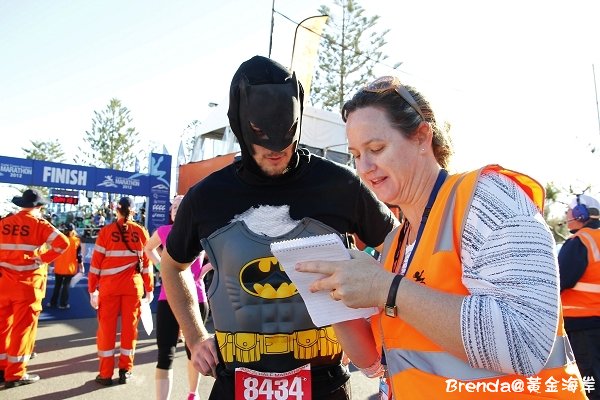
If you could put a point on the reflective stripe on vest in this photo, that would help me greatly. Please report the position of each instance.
(111, 271)
(592, 245)
(587, 287)
(448, 366)
(20, 268)
(11, 246)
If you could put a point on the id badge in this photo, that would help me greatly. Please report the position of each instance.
(255, 385)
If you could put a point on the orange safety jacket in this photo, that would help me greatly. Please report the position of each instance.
(419, 369)
(68, 262)
(583, 299)
(113, 268)
(21, 236)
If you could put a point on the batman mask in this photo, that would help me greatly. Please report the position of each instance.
(265, 107)
(269, 114)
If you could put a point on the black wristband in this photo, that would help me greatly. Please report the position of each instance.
(390, 306)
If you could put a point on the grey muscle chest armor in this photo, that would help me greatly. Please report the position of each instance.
(257, 312)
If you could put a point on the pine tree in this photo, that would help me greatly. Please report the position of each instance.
(112, 139)
(50, 150)
(349, 51)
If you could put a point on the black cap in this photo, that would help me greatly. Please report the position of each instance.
(70, 227)
(31, 198)
(126, 202)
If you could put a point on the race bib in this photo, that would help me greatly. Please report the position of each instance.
(254, 385)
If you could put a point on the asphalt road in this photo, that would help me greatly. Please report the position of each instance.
(68, 364)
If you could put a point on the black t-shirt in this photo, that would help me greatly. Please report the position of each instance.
(317, 188)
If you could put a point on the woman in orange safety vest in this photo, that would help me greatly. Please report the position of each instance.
(468, 290)
(65, 267)
(118, 277)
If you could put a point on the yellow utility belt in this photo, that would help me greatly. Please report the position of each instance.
(248, 347)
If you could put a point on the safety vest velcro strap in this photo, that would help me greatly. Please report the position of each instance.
(19, 359)
(20, 268)
(14, 246)
(126, 352)
(106, 353)
(587, 287)
(449, 366)
(116, 270)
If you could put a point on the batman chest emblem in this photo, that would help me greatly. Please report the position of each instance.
(265, 278)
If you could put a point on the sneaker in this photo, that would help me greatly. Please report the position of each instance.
(124, 376)
(104, 381)
(33, 355)
(50, 305)
(65, 307)
(25, 380)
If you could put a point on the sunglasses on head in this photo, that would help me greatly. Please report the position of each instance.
(386, 83)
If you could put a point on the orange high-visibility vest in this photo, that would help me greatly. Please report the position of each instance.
(583, 299)
(113, 265)
(66, 263)
(419, 369)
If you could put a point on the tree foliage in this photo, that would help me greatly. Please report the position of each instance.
(112, 139)
(349, 50)
(50, 150)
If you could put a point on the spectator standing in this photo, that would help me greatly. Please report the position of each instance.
(117, 279)
(579, 262)
(167, 328)
(65, 267)
(23, 275)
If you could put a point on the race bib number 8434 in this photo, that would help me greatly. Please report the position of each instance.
(255, 385)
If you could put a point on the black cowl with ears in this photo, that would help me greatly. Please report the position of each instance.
(267, 94)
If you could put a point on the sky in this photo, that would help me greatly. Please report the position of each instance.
(514, 78)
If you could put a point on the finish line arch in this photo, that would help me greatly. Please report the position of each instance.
(155, 186)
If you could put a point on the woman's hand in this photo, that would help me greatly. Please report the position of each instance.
(359, 282)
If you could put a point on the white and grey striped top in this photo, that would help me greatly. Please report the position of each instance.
(509, 320)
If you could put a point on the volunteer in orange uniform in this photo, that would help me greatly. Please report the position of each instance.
(468, 286)
(579, 263)
(117, 279)
(23, 283)
(65, 267)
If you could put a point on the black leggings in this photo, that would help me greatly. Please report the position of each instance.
(167, 333)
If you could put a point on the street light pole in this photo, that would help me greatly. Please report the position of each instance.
(596, 92)
(272, 24)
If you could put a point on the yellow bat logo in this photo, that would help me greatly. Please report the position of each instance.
(264, 277)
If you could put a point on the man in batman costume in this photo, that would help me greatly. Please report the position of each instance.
(274, 191)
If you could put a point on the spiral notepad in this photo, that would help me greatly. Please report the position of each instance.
(322, 308)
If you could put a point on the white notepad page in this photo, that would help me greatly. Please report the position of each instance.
(322, 308)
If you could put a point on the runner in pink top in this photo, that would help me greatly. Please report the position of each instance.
(167, 328)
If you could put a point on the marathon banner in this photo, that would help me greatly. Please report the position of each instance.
(156, 185)
(159, 203)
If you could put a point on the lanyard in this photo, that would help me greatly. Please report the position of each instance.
(436, 188)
